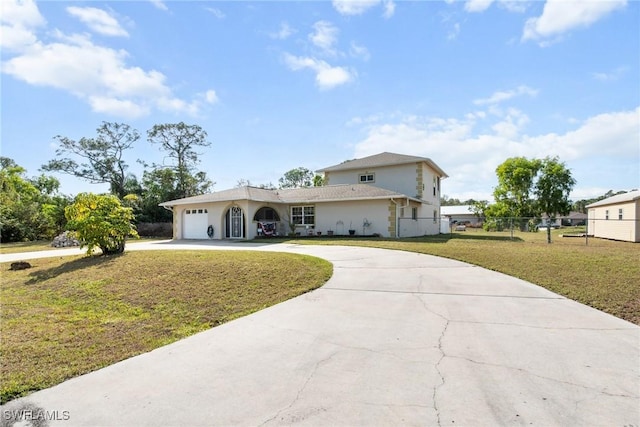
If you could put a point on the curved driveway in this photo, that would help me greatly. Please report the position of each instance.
(393, 338)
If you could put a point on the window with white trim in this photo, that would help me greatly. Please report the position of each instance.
(366, 177)
(606, 214)
(303, 215)
(435, 216)
(414, 213)
(620, 213)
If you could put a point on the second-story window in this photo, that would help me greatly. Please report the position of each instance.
(366, 177)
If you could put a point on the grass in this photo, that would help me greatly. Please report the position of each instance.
(44, 245)
(16, 247)
(68, 316)
(603, 274)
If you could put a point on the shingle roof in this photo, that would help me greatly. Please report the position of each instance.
(619, 198)
(328, 193)
(240, 193)
(382, 159)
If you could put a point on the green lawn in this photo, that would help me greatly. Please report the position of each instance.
(68, 316)
(12, 248)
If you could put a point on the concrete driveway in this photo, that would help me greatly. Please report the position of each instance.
(394, 338)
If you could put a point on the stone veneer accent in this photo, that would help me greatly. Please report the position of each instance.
(392, 219)
(419, 180)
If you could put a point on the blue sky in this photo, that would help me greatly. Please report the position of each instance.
(280, 85)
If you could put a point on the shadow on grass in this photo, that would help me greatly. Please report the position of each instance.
(470, 236)
(71, 266)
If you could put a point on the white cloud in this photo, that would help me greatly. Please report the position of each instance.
(98, 20)
(470, 155)
(19, 20)
(477, 5)
(501, 96)
(611, 75)
(327, 76)
(211, 96)
(159, 4)
(325, 36)
(358, 7)
(389, 8)
(216, 12)
(125, 108)
(559, 17)
(454, 32)
(98, 75)
(358, 51)
(283, 33)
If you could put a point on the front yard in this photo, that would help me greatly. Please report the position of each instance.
(68, 316)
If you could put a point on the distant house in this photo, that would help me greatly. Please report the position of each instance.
(616, 217)
(387, 194)
(459, 214)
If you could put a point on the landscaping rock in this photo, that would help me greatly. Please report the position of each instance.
(64, 240)
(19, 265)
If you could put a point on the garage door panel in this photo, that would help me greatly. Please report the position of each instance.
(195, 223)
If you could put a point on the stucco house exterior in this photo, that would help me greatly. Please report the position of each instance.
(387, 194)
(617, 217)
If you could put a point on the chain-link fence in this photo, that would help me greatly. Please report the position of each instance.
(589, 231)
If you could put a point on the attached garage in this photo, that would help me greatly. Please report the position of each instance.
(195, 223)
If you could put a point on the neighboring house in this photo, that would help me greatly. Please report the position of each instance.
(574, 218)
(460, 214)
(391, 195)
(616, 217)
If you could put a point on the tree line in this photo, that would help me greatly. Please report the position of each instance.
(32, 208)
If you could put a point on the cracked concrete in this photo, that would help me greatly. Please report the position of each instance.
(394, 338)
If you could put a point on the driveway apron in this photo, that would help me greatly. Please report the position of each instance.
(393, 338)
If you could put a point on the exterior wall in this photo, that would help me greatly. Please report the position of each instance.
(627, 229)
(400, 178)
(426, 222)
(216, 218)
(429, 180)
(340, 216)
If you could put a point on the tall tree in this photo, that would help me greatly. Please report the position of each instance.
(552, 190)
(180, 141)
(514, 192)
(100, 159)
(296, 178)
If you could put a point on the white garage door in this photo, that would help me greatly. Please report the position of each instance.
(195, 224)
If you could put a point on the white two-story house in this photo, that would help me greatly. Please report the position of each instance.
(387, 194)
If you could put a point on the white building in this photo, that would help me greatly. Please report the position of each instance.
(388, 194)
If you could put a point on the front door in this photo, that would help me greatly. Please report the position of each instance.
(235, 223)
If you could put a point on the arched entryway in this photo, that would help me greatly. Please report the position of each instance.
(234, 223)
(266, 214)
(266, 220)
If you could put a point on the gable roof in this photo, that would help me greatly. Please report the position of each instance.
(327, 193)
(619, 198)
(383, 159)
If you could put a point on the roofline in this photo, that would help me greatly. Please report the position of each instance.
(426, 160)
(605, 202)
(288, 202)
